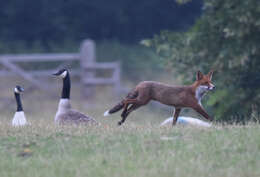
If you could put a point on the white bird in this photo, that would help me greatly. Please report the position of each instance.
(19, 118)
(187, 121)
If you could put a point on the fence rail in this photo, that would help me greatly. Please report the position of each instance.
(40, 57)
(87, 70)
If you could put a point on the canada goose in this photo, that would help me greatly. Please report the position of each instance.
(65, 114)
(19, 118)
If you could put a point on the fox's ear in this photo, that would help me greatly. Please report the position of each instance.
(199, 76)
(210, 74)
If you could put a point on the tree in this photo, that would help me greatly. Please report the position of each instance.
(226, 39)
(53, 21)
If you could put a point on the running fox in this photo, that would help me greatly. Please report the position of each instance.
(176, 96)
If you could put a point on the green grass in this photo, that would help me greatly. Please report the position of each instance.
(138, 148)
(135, 149)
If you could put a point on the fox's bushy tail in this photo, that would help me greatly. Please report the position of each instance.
(120, 105)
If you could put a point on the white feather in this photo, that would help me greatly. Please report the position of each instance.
(64, 106)
(19, 119)
(64, 74)
(16, 90)
(187, 121)
(106, 113)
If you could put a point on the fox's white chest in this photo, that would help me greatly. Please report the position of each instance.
(19, 119)
(200, 92)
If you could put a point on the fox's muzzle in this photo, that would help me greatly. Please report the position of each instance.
(211, 87)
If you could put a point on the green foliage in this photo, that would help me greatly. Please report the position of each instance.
(138, 62)
(182, 1)
(226, 39)
(58, 20)
(60, 25)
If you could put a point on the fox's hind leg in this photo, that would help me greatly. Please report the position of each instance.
(126, 103)
(132, 108)
(123, 114)
(141, 99)
(126, 112)
(121, 104)
(136, 103)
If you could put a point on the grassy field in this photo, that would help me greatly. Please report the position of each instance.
(138, 148)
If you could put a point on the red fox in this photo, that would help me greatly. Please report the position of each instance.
(176, 96)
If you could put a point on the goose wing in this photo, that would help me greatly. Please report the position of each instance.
(73, 116)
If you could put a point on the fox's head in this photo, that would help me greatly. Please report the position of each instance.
(203, 83)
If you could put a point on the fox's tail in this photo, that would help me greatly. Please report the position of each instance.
(120, 105)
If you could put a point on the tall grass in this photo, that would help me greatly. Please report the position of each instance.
(135, 149)
(138, 148)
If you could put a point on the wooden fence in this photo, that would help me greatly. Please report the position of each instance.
(87, 70)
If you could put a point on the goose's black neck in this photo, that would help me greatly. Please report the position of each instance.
(18, 102)
(66, 87)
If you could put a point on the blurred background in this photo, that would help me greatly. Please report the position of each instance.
(111, 46)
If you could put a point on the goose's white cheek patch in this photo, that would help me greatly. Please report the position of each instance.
(64, 74)
(16, 90)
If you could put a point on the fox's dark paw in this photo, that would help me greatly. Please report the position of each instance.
(119, 123)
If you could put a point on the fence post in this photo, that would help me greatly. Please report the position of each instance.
(88, 58)
(117, 73)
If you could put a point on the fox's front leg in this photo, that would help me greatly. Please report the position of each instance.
(201, 110)
(176, 115)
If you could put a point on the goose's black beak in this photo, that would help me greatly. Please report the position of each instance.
(56, 74)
